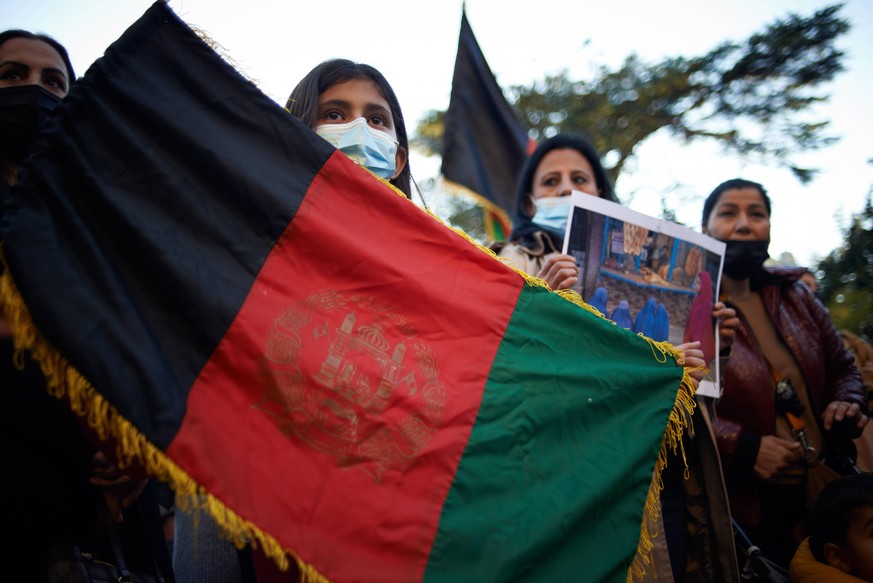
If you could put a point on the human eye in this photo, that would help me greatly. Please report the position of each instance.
(378, 120)
(580, 179)
(12, 73)
(332, 115)
(56, 82)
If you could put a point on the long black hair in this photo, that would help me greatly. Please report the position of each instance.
(523, 227)
(303, 102)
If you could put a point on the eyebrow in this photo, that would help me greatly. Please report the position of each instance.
(368, 108)
(334, 102)
(736, 205)
(376, 108)
(573, 173)
(16, 63)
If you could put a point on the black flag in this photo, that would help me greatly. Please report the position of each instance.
(484, 144)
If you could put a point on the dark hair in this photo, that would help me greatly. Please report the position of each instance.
(733, 183)
(522, 226)
(831, 512)
(19, 33)
(303, 102)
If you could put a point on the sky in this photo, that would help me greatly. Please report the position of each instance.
(414, 43)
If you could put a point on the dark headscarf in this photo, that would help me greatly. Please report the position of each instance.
(522, 225)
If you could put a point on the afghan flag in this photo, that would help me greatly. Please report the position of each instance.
(484, 144)
(286, 340)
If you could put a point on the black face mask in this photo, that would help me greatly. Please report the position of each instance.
(743, 258)
(23, 111)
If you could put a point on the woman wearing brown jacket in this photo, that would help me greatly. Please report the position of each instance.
(789, 383)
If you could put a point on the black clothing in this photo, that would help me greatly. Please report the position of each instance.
(50, 501)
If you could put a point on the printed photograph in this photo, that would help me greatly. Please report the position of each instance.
(647, 274)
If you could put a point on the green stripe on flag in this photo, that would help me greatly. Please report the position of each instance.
(554, 479)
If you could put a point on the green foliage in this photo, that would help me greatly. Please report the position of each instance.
(748, 96)
(428, 136)
(466, 215)
(846, 277)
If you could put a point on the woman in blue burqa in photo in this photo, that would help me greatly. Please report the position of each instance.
(661, 329)
(598, 300)
(622, 316)
(645, 320)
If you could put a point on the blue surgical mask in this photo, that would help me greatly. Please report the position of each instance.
(552, 213)
(373, 149)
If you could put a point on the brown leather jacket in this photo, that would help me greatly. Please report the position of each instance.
(747, 411)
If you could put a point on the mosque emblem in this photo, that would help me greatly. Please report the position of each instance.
(347, 375)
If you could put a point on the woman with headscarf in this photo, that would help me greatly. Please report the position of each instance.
(598, 300)
(621, 315)
(558, 166)
(644, 323)
(661, 327)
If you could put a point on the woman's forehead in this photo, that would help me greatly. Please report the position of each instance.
(33, 53)
(741, 196)
(355, 91)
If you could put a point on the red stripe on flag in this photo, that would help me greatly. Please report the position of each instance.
(336, 409)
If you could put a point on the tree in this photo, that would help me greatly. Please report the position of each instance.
(846, 276)
(749, 96)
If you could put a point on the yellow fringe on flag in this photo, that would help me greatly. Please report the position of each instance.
(63, 381)
(678, 422)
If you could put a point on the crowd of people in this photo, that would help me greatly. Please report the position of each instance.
(757, 460)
